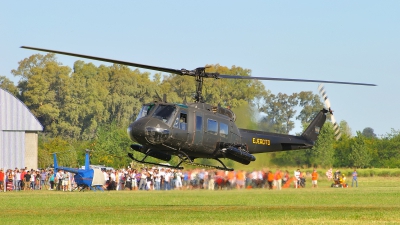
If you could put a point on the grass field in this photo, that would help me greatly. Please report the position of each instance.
(375, 201)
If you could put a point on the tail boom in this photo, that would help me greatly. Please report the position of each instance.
(259, 141)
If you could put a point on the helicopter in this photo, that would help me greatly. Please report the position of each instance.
(84, 178)
(200, 130)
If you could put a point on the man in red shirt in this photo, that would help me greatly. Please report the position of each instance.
(22, 178)
(1, 180)
(314, 178)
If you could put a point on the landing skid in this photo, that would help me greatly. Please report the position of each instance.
(130, 155)
(80, 187)
(184, 159)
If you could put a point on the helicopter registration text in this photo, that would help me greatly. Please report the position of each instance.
(260, 141)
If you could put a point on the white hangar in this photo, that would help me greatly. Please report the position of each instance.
(18, 134)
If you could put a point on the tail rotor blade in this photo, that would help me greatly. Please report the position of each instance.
(336, 128)
(323, 94)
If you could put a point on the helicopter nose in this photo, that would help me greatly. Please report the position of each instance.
(156, 132)
(148, 131)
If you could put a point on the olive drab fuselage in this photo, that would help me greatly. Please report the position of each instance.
(199, 130)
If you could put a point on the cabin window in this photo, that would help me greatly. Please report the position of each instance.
(212, 126)
(181, 121)
(199, 123)
(164, 113)
(223, 130)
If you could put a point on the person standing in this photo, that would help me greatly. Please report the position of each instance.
(329, 174)
(211, 180)
(270, 179)
(167, 179)
(1, 179)
(278, 179)
(22, 175)
(58, 180)
(43, 183)
(18, 181)
(10, 180)
(143, 180)
(240, 179)
(51, 180)
(297, 178)
(128, 181)
(354, 178)
(314, 179)
(65, 181)
(27, 180)
(178, 180)
(32, 180)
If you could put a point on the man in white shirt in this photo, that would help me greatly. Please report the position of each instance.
(167, 179)
(59, 180)
(297, 175)
(178, 180)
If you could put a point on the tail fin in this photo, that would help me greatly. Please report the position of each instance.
(312, 131)
(55, 162)
(87, 162)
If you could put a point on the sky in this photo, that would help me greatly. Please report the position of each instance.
(353, 41)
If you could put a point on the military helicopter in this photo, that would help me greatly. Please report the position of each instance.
(84, 178)
(200, 130)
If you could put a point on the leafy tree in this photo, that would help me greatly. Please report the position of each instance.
(128, 91)
(178, 88)
(111, 146)
(345, 129)
(84, 107)
(342, 151)
(42, 88)
(368, 132)
(322, 154)
(387, 150)
(323, 150)
(311, 105)
(359, 156)
(8, 85)
(66, 154)
(279, 110)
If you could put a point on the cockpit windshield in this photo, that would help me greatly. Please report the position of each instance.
(145, 111)
(165, 113)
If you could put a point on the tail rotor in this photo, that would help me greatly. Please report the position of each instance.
(336, 128)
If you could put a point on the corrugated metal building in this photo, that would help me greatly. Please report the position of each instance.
(18, 134)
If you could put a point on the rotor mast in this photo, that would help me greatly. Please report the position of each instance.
(199, 74)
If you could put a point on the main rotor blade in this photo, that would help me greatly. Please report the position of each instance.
(183, 71)
(289, 79)
(161, 69)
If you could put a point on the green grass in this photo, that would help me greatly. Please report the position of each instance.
(375, 201)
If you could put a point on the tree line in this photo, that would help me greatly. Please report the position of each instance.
(90, 107)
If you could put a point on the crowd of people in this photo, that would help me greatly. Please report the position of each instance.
(23, 179)
(160, 178)
(168, 179)
(154, 178)
(339, 179)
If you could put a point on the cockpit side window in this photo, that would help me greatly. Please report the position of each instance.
(181, 121)
(144, 111)
(164, 113)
